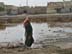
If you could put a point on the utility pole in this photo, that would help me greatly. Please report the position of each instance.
(71, 2)
(27, 7)
(26, 2)
(64, 4)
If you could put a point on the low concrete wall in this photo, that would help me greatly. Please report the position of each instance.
(40, 18)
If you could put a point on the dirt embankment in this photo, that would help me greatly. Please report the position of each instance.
(45, 50)
(52, 19)
(38, 18)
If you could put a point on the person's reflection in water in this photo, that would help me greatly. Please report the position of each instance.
(28, 32)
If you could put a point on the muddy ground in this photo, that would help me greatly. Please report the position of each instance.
(48, 49)
(45, 50)
(53, 21)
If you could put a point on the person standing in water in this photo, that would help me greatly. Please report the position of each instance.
(28, 32)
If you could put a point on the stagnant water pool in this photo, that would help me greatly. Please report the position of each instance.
(42, 34)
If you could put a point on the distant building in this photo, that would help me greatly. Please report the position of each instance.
(32, 10)
(23, 9)
(59, 7)
(11, 10)
(38, 10)
(8, 9)
(2, 8)
(1, 4)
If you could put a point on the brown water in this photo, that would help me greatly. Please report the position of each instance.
(43, 34)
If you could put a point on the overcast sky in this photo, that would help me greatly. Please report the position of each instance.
(30, 2)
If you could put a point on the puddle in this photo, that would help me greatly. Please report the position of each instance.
(42, 33)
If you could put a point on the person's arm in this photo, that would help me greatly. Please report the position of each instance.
(26, 21)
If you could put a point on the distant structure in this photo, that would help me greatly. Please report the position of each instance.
(38, 10)
(2, 8)
(32, 10)
(1, 4)
(52, 7)
(59, 7)
(11, 10)
(23, 9)
(8, 9)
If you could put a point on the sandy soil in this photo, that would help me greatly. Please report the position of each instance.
(45, 50)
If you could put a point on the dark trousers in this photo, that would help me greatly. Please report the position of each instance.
(28, 34)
